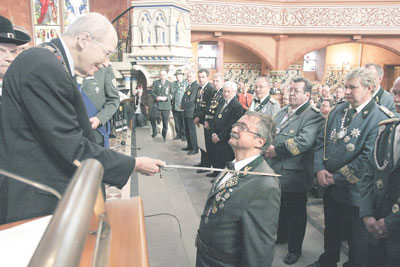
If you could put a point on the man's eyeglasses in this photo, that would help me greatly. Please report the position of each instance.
(243, 128)
(106, 52)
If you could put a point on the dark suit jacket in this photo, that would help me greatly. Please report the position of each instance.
(189, 99)
(223, 121)
(246, 226)
(385, 99)
(203, 101)
(381, 186)
(347, 158)
(44, 127)
(294, 147)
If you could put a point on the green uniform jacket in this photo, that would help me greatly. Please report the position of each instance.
(162, 90)
(102, 91)
(178, 89)
(385, 99)
(294, 147)
(347, 158)
(189, 99)
(380, 195)
(245, 225)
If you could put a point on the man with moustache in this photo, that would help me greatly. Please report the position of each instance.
(204, 95)
(161, 94)
(291, 156)
(188, 105)
(10, 39)
(239, 221)
(263, 102)
(340, 160)
(380, 95)
(45, 128)
(226, 115)
(380, 195)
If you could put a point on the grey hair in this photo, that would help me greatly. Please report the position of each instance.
(367, 78)
(93, 23)
(266, 128)
(231, 85)
(377, 67)
(265, 79)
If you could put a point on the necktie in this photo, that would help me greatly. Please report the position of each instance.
(350, 115)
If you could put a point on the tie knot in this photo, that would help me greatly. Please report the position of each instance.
(230, 165)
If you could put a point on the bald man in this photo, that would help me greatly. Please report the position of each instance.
(42, 135)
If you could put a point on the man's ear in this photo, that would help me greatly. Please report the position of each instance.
(83, 40)
(260, 142)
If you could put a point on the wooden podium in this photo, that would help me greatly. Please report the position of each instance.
(128, 236)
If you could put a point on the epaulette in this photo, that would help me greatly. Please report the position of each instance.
(316, 109)
(273, 100)
(341, 101)
(386, 111)
(388, 121)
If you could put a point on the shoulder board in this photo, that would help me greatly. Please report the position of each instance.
(339, 102)
(316, 109)
(388, 121)
(273, 100)
(386, 111)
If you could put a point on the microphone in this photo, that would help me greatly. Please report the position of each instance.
(31, 183)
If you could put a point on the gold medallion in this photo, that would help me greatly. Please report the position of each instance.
(291, 131)
(227, 195)
(214, 210)
(395, 208)
(221, 205)
(219, 116)
(188, 93)
(346, 139)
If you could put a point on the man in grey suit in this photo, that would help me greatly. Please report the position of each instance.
(263, 102)
(239, 221)
(291, 156)
(380, 95)
(103, 93)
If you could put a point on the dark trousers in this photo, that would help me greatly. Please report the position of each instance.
(205, 155)
(164, 116)
(191, 136)
(179, 123)
(293, 219)
(342, 220)
(384, 252)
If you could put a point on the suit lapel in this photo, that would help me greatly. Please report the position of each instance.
(58, 44)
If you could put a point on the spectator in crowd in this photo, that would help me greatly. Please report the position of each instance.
(245, 98)
(326, 107)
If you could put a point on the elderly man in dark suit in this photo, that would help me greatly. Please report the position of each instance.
(291, 156)
(380, 95)
(188, 104)
(239, 221)
(161, 94)
(340, 160)
(102, 92)
(227, 114)
(46, 127)
(380, 194)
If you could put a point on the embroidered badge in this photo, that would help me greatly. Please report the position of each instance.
(379, 184)
(355, 133)
(395, 208)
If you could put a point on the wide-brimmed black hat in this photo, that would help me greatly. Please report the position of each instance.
(10, 36)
